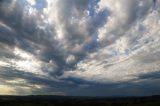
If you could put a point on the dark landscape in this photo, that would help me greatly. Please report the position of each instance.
(78, 101)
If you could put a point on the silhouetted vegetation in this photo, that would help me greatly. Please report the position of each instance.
(78, 101)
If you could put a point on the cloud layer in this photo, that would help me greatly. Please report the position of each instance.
(51, 46)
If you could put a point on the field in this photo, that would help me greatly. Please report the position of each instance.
(78, 101)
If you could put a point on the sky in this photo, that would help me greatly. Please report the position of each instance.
(80, 47)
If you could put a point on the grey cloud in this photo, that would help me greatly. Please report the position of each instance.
(78, 44)
(132, 54)
(131, 13)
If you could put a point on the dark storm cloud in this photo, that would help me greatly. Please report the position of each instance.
(21, 31)
(26, 35)
(25, 32)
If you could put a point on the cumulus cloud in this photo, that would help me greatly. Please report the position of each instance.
(73, 43)
(133, 54)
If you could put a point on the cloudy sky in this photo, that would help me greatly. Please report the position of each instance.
(80, 47)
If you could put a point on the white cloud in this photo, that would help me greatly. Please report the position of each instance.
(70, 59)
(134, 54)
(31, 2)
(123, 14)
(26, 62)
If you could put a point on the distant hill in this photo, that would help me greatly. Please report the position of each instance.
(49, 100)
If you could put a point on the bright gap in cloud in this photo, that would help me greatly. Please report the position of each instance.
(26, 62)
